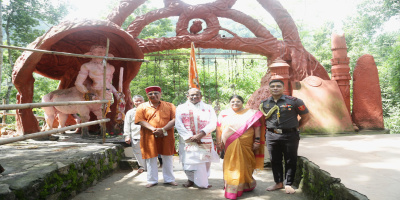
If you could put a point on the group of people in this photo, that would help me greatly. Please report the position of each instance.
(241, 133)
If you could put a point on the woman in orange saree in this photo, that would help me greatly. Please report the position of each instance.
(239, 133)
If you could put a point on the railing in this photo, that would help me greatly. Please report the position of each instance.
(48, 104)
(44, 133)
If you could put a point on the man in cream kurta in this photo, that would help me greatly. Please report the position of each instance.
(194, 122)
(132, 132)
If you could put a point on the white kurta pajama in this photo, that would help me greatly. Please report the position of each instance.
(196, 158)
(132, 131)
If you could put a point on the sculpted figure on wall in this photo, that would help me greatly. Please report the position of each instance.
(88, 86)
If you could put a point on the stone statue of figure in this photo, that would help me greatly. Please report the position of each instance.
(94, 70)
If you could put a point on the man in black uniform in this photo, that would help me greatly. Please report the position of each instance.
(282, 133)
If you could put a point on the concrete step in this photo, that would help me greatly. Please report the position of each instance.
(128, 164)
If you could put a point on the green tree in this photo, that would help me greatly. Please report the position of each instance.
(24, 21)
(318, 42)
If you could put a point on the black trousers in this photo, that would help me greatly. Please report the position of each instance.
(283, 146)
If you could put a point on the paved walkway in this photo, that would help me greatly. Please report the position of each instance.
(368, 164)
(130, 185)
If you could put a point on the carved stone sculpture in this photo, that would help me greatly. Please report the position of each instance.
(62, 112)
(196, 27)
(72, 37)
(367, 99)
(340, 66)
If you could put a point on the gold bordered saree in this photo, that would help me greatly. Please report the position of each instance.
(237, 134)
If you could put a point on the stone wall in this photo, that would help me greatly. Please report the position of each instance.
(59, 181)
(318, 184)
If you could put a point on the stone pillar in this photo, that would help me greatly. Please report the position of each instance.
(367, 99)
(279, 69)
(340, 66)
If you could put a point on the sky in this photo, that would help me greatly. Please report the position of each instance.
(312, 12)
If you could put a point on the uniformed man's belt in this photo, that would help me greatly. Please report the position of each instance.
(280, 131)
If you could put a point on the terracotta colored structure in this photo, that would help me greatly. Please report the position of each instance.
(72, 37)
(77, 37)
(367, 99)
(326, 105)
(340, 66)
(291, 50)
(279, 69)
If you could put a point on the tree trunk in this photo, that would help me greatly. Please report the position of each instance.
(7, 31)
(1, 39)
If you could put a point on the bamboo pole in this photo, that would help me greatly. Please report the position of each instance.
(3, 118)
(45, 133)
(103, 125)
(48, 104)
(72, 54)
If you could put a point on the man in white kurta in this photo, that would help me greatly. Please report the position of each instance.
(194, 122)
(132, 132)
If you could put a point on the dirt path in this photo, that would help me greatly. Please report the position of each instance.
(130, 185)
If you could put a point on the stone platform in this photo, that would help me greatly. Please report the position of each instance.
(55, 169)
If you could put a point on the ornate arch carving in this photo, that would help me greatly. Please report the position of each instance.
(302, 63)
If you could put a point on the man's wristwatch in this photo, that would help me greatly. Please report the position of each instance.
(164, 132)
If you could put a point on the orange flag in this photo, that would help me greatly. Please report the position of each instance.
(193, 75)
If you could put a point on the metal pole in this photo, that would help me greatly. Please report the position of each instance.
(41, 134)
(72, 54)
(48, 104)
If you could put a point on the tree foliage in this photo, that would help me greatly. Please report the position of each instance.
(24, 21)
(220, 78)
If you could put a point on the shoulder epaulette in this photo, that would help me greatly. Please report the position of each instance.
(291, 98)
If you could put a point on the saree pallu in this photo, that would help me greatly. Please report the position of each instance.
(240, 161)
